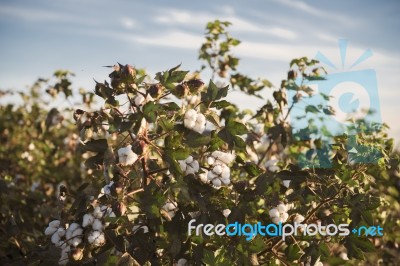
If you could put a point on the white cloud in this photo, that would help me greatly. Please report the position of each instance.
(128, 23)
(178, 16)
(175, 39)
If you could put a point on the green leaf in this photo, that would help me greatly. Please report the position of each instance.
(150, 111)
(292, 252)
(312, 109)
(195, 140)
(98, 145)
(220, 104)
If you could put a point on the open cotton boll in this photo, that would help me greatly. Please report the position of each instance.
(286, 183)
(282, 208)
(88, 219)
(189, 123)
(126, 156)
(50, 230)
(96, 238)
(226, 212)
(216, 182)
(203, 177)
(54, 224)
(98, 213)
(182, 262)
(299, 219)
(274, 213)
(97, 225)
(191, 115)
(55, 238)
(225, 181)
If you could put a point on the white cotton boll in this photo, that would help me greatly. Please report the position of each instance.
(286, 183)
(78, 232)
(210, 160)
(139, 100)
(274, 213)
(61, 232)
(182, 262)
(131, 158)
(276, 220)
(299, 219)
(191, 114)
(92, 236)
(225, 181)
(217, 169)
(200, 119)
(97, 225)
(190, 170)
(282, 208)
(72, 228)
(55, 238)
(198, 128)
(216, 182)
(226, 172)
(284, 216)
(189, 123)
(216, 154)
(211, 175)
(227, 158)
(97, 213)
(54, 224)
(183, 165)
(343, 256)
(203, 177)
(50, 230)
(195, 165)
(226, 212)
(87, 220)
(189, 159)
(75, 241)
(271, 162)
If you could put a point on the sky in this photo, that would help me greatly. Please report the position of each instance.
(38, 37)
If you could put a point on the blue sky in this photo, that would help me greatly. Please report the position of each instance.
(38, 37)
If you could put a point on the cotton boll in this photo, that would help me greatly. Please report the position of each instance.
(276, 220)
(343, 256)
(282, 208)
(274, 213)
(195, 165)
(182, 262)
(284, 216)
(226, 212)
(203, 177)
(189, 159)
(139, 100)
(191, 115)
(50, 230)
(225, 181)
(299, 219)
(286, 183)
(216, 182)
(97, 212)
(75, 241)
(200, 119)
(210, 160)
(189, 123)
(97, 225)
(211, 175)
(87, 220)
(199, 128)
(183, 165)
(217, 169)
(226, 172)
(61, 232)
(274, 168)
(55, 238)
(54, 224)
(126, 156)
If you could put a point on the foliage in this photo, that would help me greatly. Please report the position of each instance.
(125, 180)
